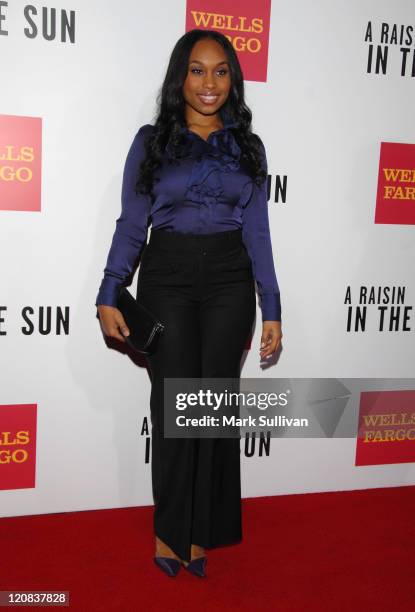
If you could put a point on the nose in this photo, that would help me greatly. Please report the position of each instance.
(208, 81)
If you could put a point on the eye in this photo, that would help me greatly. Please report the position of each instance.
(221, 71)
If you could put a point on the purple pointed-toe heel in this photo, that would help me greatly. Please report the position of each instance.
(197, 567)
(168, 565)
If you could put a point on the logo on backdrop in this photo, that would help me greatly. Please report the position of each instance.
(385, 306)
(395, 201)
(390, 47)
(252, 445)
(20, 162)
(386, 427)
(245, 24)
(18, 446)
(42, 22)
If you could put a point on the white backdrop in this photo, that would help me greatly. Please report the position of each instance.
(322, 119)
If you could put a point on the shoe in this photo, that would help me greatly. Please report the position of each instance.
(197, 567)
(168, 565)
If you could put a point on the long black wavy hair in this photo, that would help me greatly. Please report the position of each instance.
(170, 117)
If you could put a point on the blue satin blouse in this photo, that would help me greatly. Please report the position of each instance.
(208, 192)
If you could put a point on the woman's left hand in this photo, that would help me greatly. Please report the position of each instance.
(270, 338)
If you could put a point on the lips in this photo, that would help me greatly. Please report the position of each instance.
(208, 99)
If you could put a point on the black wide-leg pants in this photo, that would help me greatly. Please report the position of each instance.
(202, 287)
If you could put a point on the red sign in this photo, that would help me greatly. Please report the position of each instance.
(395, 202)
(18, 446)
(20, 162)
(245, 24)
(386, 428)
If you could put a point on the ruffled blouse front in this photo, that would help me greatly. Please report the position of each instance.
(214, 157)
(208, 191)
(220, 155)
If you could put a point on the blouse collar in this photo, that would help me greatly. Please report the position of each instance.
(227, 123)
(220, 142)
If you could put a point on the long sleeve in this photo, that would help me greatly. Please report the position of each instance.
(131, 226)
(257, 239)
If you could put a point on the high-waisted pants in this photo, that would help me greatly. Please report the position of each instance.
(201, 286)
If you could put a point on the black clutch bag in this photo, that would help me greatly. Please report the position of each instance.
(145, 328)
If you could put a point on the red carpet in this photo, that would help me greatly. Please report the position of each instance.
(325, 552)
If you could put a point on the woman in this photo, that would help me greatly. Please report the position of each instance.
(199, 176)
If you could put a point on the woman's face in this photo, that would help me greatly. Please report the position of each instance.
(208, 80)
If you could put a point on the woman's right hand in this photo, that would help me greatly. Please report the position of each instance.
(112, 322)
